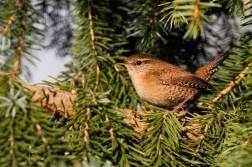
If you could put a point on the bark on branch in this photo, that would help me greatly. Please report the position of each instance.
(55, 100)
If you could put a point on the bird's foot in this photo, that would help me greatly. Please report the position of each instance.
(180, 115)
(175, 110)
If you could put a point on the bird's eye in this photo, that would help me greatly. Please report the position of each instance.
(138, 63)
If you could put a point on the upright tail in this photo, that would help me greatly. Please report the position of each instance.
(209, 69)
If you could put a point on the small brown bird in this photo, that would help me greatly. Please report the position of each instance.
(166, 85)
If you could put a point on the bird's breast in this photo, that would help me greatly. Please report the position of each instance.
(154, 92)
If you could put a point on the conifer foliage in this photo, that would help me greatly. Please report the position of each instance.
(91, 115)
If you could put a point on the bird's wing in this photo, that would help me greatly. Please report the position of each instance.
(187, 80)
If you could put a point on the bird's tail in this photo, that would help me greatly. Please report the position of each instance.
(209, 69)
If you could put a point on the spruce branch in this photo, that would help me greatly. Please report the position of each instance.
(10, 73)
(196, 13)
(232, 84)
(153, 17)
(178, 13)
(93, 44)
(12, 17)
(245, 5)
(13, 102)
(161, 138)
(76, 77)
(42, 136)
(243, 145)
(12, 144)
(86, 134)
(20, 40)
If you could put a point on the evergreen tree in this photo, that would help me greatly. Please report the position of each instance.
(91, 115)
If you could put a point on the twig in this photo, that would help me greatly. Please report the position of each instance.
(7, 27)
(232, 84)
(111, 132)
(196, 13)
(12, 143)
(76, 77)
(93, 42)
(41, 134)
(10, 73)
(154, 14)
(86, 126)
(245, 4)
(246, 142)
(20, 42)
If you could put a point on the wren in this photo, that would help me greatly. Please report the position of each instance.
(165, 85)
